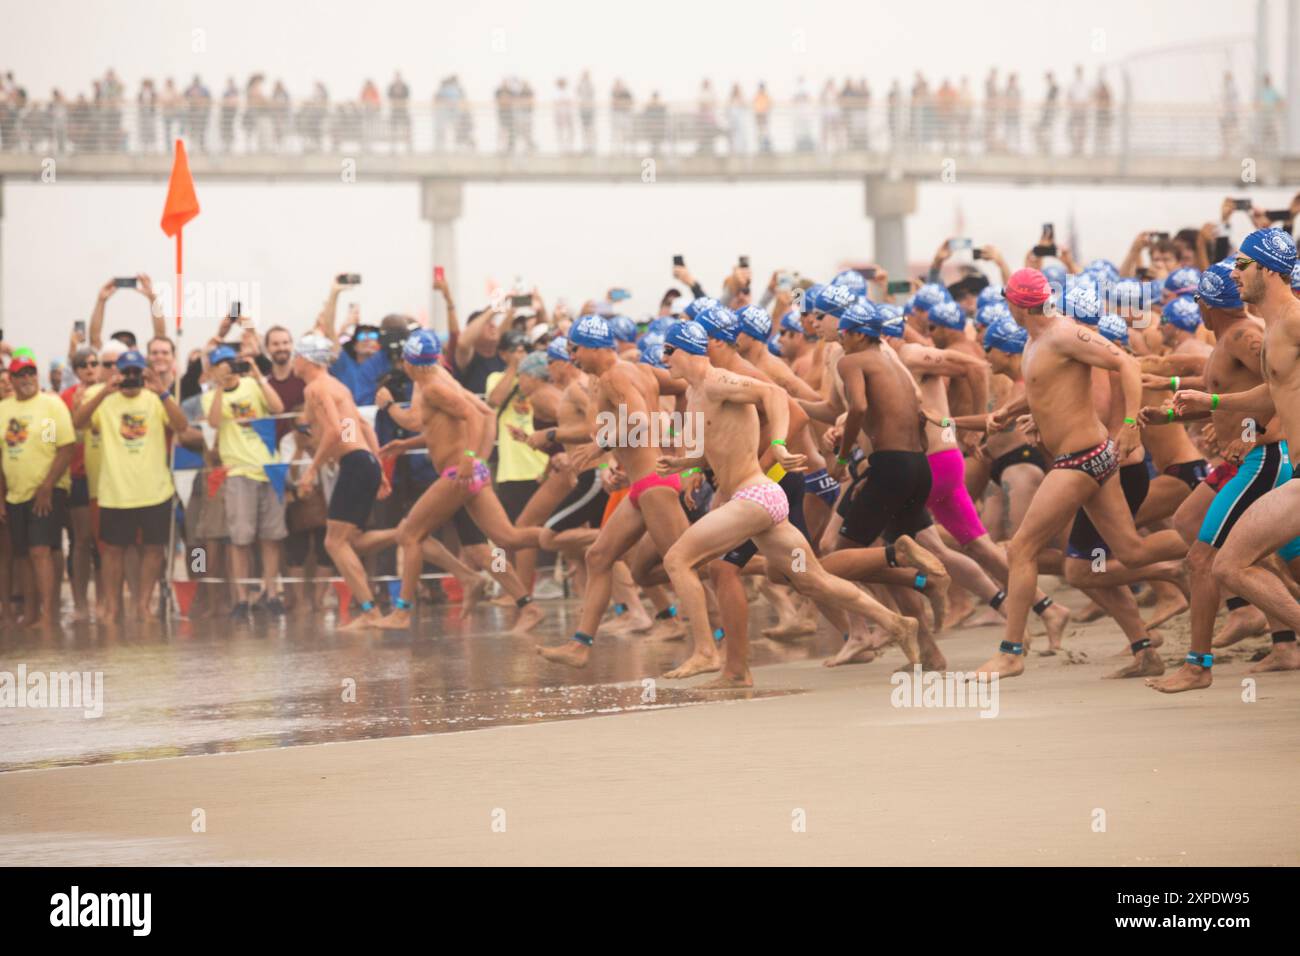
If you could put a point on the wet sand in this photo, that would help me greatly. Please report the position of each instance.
(1195, 779)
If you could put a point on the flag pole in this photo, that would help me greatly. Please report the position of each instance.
(170, 577)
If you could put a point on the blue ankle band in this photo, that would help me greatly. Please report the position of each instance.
(620, 609)
(1012, 647)
(919, 583)
(582, 638)
(1201, 660)
(719, 633)
(367, 606)
(400, 605)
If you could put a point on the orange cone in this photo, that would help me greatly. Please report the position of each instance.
(185, 591)
(345, 598)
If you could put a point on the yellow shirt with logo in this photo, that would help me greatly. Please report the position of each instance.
(242, 450)
(34, 430)
(515, 460)
(133, 469)
(90, 437)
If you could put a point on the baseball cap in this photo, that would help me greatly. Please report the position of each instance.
(591, 332)
(689, 336)
(20, 362)
(1271, 248)
(131, 359)
(1182, 312)
(1027, 288)
(222, 353)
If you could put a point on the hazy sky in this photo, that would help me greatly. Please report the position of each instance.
(61, 241)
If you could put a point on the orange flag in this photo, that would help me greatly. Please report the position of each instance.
(182, 204)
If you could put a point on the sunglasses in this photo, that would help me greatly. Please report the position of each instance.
(92, 364)
(669, 350)
(1242, 263)
(24, 373)
(367, 336)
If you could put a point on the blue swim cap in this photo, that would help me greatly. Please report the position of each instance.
(720, 323)
(993, 312)
(1271, 248)
(1295, 278)
(654, 356)
(1182, 281)
(894, 326)
(1216, 288)
(1129, 294)
(930, 295)
(834, 300)
(851, 279)
(688, 336)
(1082, 304)
(1056, 276)
(790, 322)
(696, 306)
(421, 348)
(774, 346)
(622, 328)
(1103, 268)
(660, 325)
(810, 295)
(989, 295)
(1113, 328)
(651, 339)
(755, 322)
(1182, 313)
(591, 332)
(1005, 336)
(862, 317)
(947, 314)
(557, 350)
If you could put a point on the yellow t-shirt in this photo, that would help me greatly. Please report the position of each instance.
(34, 432)
(90, 437)
(515, 460)
(133, 470)
(242, 450)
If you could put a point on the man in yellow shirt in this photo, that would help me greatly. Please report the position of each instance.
(38, 446)
(254, 512)
(132, 413)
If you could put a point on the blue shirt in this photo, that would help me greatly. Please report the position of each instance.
(361, 379)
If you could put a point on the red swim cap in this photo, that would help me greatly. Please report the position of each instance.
(1027, 288)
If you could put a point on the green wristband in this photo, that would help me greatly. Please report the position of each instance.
(779, 441)
(1130, 421)
(1170, 414)
(691, 471)
(841, 459)
(1214, 401)
(470, 454)
(1173, 383)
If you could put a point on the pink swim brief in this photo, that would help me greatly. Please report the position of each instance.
(768, 496)
(652, 481)
(482, 477)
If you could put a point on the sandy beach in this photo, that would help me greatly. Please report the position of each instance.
(1072, 770)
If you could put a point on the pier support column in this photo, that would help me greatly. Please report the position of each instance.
(441, 201)
(888, 204)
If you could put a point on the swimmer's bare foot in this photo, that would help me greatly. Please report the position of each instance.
(985, 618)
(728, 682)
(795, 627)
(627, 622)
(572, 653)
(1242, 623)
(697, 663)
(530, 615)
(472, 591)
(1169, 604)
(1090, 612)
(902, 631)
(1146, 663)
(854, 651)
(365, 621)
(1187, 677)
(667, 629)
(398, 619)
(932, 659)
(79, 615)
(1055, 620)
(1283, 657)
(913, 555)
(1002, 664)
